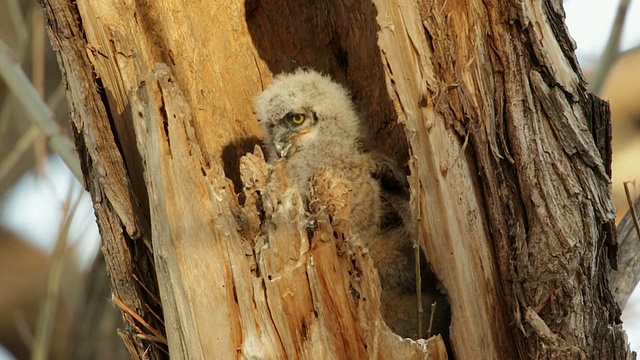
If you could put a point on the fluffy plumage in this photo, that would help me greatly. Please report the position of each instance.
(327, 136)
(330, 132)
(311, 123)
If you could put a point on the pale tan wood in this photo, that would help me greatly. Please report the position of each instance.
(455, 237)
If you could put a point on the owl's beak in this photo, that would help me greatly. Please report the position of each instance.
(282, 148)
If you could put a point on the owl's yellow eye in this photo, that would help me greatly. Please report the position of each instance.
(297, 119)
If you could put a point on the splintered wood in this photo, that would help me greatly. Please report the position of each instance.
(322, 292)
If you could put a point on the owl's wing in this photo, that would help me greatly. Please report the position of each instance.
(391, 177)
(394, 192)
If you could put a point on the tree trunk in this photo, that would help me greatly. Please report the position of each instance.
(484, 102)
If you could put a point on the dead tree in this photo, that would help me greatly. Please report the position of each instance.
(484, 100)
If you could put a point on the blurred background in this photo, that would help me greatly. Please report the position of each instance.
(48, 238)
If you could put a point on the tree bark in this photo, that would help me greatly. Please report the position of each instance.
(509, 158)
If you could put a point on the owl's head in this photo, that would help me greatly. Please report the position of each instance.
(307, 111)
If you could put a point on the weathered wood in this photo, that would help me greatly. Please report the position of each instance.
(475, 102)
(118, 215)
(195, 247)
(457, 242)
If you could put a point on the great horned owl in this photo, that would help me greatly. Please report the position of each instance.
(311, 122)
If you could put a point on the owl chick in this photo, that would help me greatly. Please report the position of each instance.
(311, 123)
